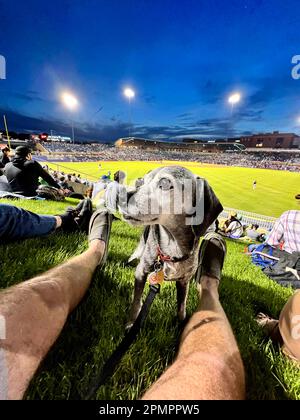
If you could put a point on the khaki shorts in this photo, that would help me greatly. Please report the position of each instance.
(289, 327)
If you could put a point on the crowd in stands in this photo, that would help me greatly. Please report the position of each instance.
(95, 152)
(53, 147)
(78, 149)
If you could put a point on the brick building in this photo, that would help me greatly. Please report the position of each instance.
(275, 140)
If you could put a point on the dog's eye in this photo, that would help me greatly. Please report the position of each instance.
(165, 184)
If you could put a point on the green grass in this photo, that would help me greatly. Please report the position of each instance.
(97, 325)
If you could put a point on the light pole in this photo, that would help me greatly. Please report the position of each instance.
(71, 102)
(73, 137)
(51, 133)
(52, 141)
(129, 94)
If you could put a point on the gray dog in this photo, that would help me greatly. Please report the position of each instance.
(176, 207)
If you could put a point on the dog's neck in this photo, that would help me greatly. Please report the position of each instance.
(176, 242)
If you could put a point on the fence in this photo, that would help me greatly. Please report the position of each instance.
(247, 218)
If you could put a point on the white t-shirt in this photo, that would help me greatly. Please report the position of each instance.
(236, 229)
(112, 194)
(98, 187)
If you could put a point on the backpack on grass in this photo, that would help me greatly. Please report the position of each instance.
(49, 193)
(262, 255)
(280, 266)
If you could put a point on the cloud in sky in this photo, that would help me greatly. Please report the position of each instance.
(211, 127)
(249, 116)
(27, 96)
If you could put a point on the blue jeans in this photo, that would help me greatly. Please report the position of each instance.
(16, 223)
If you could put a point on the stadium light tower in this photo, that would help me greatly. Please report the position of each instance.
(129, 94)
(70, 102)
(234, 99)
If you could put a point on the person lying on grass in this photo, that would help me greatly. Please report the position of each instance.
(16, 223)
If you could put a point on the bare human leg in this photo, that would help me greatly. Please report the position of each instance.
(33, 314)
(208, 364)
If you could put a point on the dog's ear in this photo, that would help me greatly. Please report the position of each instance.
(211, 206)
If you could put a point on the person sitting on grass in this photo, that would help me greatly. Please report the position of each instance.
(98, 191)
(114, 192)
(232, 227)
(286, 232)
(4, 158)
(23, 173)
(63, 183)
(208, 364)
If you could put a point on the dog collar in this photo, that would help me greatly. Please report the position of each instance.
(167, 258)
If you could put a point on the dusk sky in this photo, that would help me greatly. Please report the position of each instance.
(182, 58)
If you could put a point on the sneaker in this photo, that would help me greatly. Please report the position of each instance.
(85, 211)
(68, 221)
(99, 228)
(77, 218)
(212, 254)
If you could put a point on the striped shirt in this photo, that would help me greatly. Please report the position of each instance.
(287, 231)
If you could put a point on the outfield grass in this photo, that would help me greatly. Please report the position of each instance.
(97, 325)
(274, 194)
